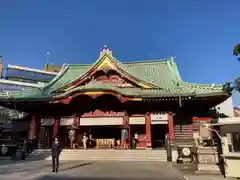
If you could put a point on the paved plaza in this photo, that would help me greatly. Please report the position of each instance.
(75, 170)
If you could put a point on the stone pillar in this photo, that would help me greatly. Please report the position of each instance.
(170, 127)
(148, 130)
(34, 129)
(56, 125)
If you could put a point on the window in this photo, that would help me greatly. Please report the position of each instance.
(10, 87)
(29, 75)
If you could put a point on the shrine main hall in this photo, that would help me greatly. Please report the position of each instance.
(147, 98)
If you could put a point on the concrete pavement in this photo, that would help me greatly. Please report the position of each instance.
(189, 173)
(83, 170)
(204, 177)
(72, 170)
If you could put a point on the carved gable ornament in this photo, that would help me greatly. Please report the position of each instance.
(107, 70)
(113, 79)
(106, 64)
(106, 61)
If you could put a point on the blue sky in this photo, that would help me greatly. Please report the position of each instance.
(200, 34)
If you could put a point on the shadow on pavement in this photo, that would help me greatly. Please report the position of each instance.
(76, 166)
(40, 168)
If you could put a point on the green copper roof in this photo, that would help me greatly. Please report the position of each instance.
(187, 90)
(163, 75)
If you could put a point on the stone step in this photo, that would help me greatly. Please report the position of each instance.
(207, 150)
(120, 152)
(115, 152)
(106, 150)
(113, 155)
(103, 154)
(5, 157)
(208, 168)
(140, 158)
(111, 159)
(107, 155)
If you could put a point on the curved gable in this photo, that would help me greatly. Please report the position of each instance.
(105, 63)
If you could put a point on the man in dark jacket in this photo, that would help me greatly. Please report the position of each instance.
(56, 150)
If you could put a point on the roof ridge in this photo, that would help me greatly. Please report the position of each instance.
(147, 61)
(65, 68)
(176, 77)
(215, 86)
(71, 66)
(129, 62)
(25, 68)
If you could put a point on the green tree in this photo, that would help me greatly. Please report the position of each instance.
(237, 84)
(236, 50)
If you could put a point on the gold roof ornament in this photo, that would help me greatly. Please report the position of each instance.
(106, 50)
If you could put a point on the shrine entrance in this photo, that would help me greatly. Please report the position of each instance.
(103, 131)
(100, 136)
(101, 119)
(63, 136)
(159, 132)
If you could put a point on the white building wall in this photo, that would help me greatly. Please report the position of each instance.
(226, 107)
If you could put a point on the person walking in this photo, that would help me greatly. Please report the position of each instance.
(56, 150)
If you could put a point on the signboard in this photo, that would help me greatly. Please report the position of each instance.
(99, 121)
(136, 120)
(47, 122)
(66, 121)
(159, 118)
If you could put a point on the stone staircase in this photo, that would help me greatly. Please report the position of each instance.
(39, 154)
(208, 160)
(183, 135)
(104, 155)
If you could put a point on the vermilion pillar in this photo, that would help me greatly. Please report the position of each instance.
(148, 130)
(170, 127)
(34, 129)
(38, 129)
(56, 125)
